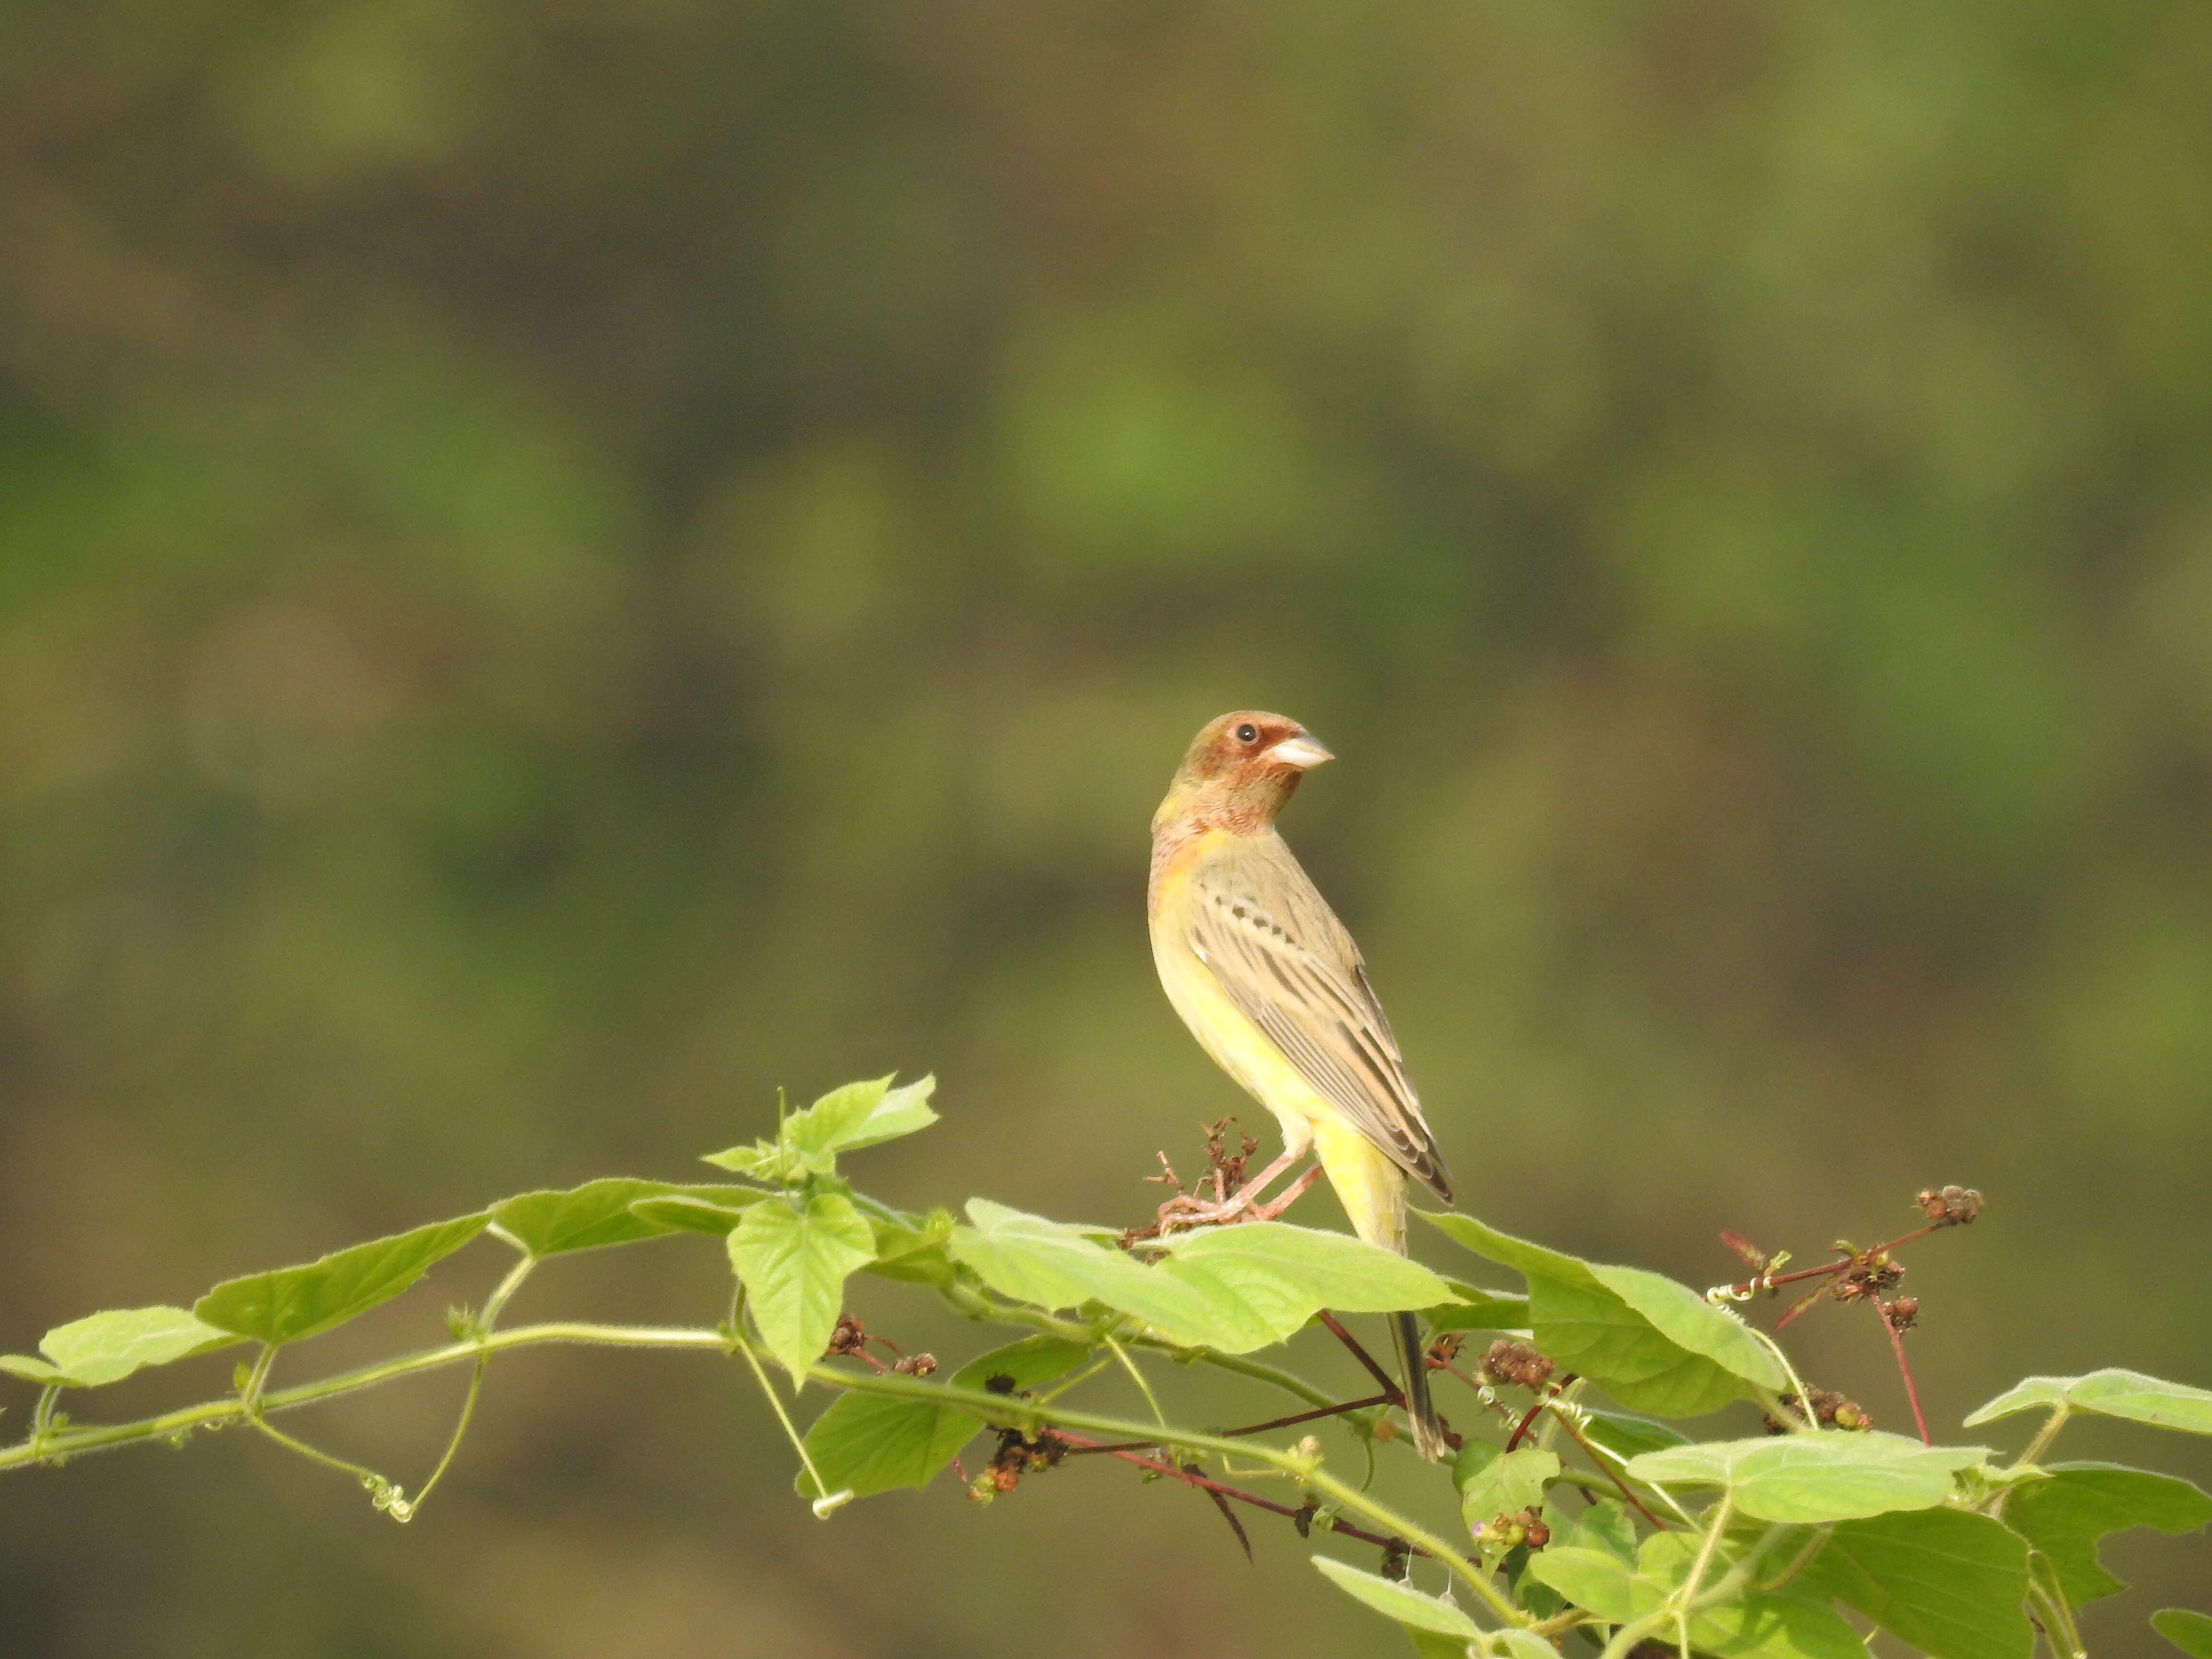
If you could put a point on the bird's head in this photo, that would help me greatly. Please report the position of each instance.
(1241, 768)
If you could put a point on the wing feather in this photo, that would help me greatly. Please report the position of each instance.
(1280, 955)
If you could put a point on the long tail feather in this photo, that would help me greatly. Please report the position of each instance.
(1414, 1366)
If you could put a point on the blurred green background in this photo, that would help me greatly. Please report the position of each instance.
(563, 565)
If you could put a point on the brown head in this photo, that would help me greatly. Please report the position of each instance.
(1238, 772)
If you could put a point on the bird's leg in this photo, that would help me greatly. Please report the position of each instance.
(1291, 1194)
(1191, 1212)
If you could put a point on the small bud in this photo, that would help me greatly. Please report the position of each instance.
(1538, 1534)
(1309, 1448)
(916, 1365)
(1385, 1429)
(1903, 1313)
(1828, 1406)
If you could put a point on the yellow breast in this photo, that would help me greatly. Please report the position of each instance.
(1237, 1045)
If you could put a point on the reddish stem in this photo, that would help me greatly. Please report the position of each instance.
(1767, 1282)
(1391, 1394)
(1191, 1477)
(1308, 1417)
(1897, 1345)
(1542, 1401)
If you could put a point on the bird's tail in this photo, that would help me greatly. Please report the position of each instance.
(1414, 1366)
(1373, 1192)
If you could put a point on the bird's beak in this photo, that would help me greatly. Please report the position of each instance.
(1301, 751)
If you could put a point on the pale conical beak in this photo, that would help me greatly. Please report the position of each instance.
(1301, 751)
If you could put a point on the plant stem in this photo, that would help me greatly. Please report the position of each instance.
(2044, 1435)
(1897, 1346)
(989, 1407)
(1308, 1417)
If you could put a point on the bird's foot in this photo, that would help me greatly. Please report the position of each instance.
(1187, 1210)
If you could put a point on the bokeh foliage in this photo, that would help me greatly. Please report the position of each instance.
(561, 567)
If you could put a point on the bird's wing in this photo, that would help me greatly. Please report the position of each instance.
(1280, 955)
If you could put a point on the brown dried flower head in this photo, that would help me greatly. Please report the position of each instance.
(1949, 1206)
(1515, 1363)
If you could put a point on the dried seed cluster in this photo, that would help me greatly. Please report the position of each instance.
(1515, 1363)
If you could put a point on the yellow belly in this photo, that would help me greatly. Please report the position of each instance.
(1368, 1184)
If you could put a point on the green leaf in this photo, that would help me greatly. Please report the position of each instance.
(813, 1137)
(1478, 1310)
(1023, 1364)
(2065, 1515)
(1055, 1266)
(1525, 1644)
(900, 1111)
(680, 1214)
(1231, 1288)
(106, 1347)
(1754, 1625)
(1941, 1580)
(915, 1255)
(764, 1160)
(1595, 1579)
(858, 1115)
(2129, 1394)
(869, 1443)
(294, 1302)
(1653, 1344)
(1393, 1600)
(1605, 1525)
(601, 1212)
(1492, 1482)
(1587, 1329)
(1284, 1275)
(1807, 1479)
(1625, 1436)
(794, 1261)
(1691, 1322)
(2190, 1632)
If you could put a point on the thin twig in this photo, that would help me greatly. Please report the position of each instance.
(1307, 1416)
(1389, 1387)
(1897, 1345)
(1227, 1514)
(1542, 1401)
(1748, 1286)
(1190, 1475)
(1567, 1422)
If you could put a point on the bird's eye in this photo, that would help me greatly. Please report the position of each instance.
(1247, 733)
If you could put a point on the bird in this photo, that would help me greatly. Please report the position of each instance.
(1271, 984)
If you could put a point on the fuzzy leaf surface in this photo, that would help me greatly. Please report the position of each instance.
(1655, 1346)
(1941, 1580)
(1493, 1482)
(602, 1212)
(1402, 1602)
(294, 1302)
(106, 1347)
(2112, 1393)
(2188, 1630)
(794, 1261)
(1809, 1478)
(2065, 1515)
